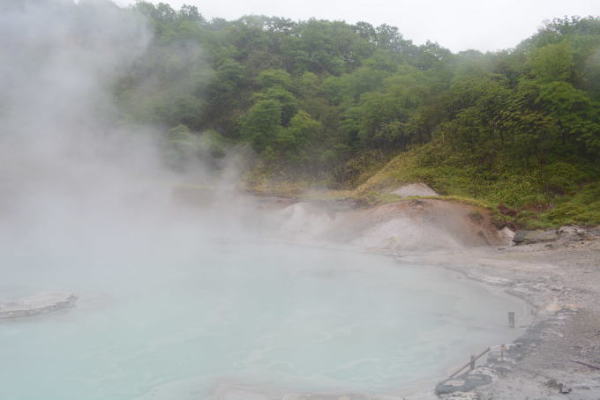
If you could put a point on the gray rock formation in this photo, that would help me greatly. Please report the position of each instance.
(537, 236)
(565, 234)
(35, 305)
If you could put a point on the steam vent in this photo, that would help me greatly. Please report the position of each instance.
(36, 305)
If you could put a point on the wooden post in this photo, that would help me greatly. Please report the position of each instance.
(511, 319)
(502, 348)
(472, 363)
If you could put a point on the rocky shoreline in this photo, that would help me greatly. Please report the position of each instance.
(557, 272)
(558, 354)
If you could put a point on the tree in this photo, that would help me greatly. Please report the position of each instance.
(262, 124)
(553, 62)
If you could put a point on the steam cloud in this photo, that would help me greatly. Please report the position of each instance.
(66, 158)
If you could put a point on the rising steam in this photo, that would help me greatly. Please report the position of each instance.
(69, 161)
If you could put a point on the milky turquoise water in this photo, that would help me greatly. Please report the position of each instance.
(172, 320)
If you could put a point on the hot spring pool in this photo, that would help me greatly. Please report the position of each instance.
(152, 324)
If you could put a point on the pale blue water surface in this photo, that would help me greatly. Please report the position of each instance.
(171, 319)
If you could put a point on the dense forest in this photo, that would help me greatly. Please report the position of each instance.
(332, 103)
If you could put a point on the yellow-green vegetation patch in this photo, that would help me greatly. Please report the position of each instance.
(401, 169)
(582, 208)
(536, 198)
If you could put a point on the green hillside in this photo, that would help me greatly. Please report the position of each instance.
(328, 104)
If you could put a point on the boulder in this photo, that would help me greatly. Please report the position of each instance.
(507, 234)
(572, 232)
(537, 236)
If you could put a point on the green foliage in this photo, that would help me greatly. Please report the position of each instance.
(288, 102)
(185, 148)
(560, 195)
(332, 101)
(581, 208)
(303, 129)
(562, 178)
(553, 62)
(262, 124)
(274, 78)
